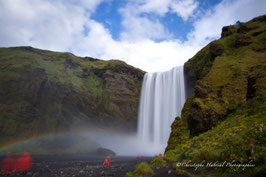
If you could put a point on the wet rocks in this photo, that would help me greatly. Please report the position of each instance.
(72, 168)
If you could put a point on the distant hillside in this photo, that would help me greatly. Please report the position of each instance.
(47, 92)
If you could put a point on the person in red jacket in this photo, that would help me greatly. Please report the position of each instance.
(23, 163)
(107, 161)
(8, 164)
(12, 165)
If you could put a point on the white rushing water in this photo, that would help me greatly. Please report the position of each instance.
(162, 99)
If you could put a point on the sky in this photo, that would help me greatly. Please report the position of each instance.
(153, 35)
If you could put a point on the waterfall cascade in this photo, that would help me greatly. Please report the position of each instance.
(162, 99)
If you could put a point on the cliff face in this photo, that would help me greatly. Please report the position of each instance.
(47, 92)
(224, 119)
(227, 73)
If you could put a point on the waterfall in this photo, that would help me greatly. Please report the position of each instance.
(162, 99)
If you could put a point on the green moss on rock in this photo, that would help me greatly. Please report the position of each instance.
(223, 72)
(43, 92)
(224, 119)
(158, 162)
(143, 169)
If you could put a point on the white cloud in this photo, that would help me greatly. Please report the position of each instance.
(137, 27)
(45, 24)
(158, 56)
(59, 25)
(97, 42)
(90, 5)
(184, 8)
(226, 13)
(156, 6)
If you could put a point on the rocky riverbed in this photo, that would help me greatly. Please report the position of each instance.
(79, 166)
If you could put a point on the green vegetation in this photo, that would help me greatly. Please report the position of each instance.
(50, 92)
(183, 173)
(143, 169)
(158, 162)
(224, 120)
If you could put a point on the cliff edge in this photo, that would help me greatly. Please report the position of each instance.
(225, 118)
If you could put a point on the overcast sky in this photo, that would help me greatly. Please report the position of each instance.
(153, 35)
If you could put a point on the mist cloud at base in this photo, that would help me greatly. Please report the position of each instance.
(86, 142)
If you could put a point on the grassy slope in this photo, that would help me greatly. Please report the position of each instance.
(46, 92)
(225, 118)
(231, 88)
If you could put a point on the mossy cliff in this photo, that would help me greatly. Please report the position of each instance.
(228, 72)
(225, 118)
(47, 92)
(223, 122)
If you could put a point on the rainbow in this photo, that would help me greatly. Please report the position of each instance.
(20, 145)
(22, 142)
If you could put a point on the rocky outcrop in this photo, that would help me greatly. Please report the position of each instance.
(216, 50)
(46, 92)
(221, 77)
(242, 40)
(224, 118)
(104, 152)
(225, 74)
(227, 31)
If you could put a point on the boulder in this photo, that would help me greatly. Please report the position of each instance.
(104, 152)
